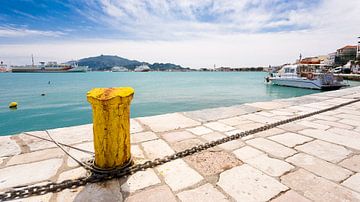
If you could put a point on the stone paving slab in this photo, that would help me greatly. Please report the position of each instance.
(318, 189)
(319, 167)
(245, 183)
(8, 147)
(314, 159)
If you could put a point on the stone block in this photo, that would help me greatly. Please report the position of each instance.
(292, 127)
(8, 147)
(178, 175)
(157, 149)
(140, 180)
(219, 126)
(156, 194)
(203, 193)
(177, 136)
(72, 174)
(268, 105)
(317, 188)
(261, 161)
(220, 113)
(344, 132)
(333, 124)
(245, 183)
(35, 156)
(142, 137)
(327, 151)
(186, 144)
(41, 198)
(348, 116)
(136, 152)
(79, 155)
(249, 126)
(260, 119)
(353, 182)
(246, 153)
(167, 122)
(212, 162)
(97, 192)
(290, 196)
(312, 124)
(350, 122)
(320, 167)
(135, 127)
(200, 130)
(326, 117)
(269, 132)
(290, 139)
(348, 140)
(270, 166)
(234, 121)
(271, 147)
(352, 163)
(29, 173)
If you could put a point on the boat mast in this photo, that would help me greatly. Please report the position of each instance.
(32, 60)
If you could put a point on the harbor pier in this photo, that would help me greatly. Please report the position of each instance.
(308, 149)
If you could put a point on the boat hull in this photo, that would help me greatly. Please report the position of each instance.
(49, 70)
(304, 83)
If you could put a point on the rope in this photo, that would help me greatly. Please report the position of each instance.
(66, 145)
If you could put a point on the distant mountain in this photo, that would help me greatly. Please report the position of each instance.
(106, 62)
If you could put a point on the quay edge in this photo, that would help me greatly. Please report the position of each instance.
(315, 158)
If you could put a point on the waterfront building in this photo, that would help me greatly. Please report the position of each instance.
(330, 60)
(310, 60)
(345, 54)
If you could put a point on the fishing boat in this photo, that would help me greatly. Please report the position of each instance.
(305, 76)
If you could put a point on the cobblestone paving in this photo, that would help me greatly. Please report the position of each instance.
(314, 159)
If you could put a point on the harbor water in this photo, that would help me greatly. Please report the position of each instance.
(53, 100)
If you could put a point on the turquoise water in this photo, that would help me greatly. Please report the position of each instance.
(64, 103)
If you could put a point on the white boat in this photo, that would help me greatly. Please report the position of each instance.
(304, 76)
(3, 67)
(50, 67)
(77, 68)
(142, 68)
(119, 69)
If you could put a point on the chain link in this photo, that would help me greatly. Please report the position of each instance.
(99, 177)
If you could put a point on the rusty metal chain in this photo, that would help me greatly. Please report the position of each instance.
(99, 177)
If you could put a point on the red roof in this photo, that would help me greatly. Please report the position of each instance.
(348, 47)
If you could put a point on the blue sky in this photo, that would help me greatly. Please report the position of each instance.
(172, 24)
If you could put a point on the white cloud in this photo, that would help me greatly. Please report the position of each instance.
(173, 34)
(22, 32)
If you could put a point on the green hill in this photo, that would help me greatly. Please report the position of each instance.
(106, 62)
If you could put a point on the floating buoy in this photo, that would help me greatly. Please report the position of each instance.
(13, 105)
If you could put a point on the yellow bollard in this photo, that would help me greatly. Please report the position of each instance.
(111, 119)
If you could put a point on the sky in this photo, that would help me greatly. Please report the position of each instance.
(191, 33)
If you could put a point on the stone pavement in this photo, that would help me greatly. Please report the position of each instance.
(314, 159)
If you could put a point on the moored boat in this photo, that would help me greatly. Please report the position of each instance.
(50, 67)
(3, 67)
(304, 76)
